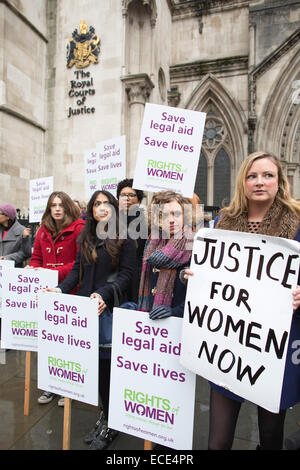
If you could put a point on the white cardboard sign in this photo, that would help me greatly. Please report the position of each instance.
(19, 306)
(68, 346)
(4, 265)
(111, 163)
(151, 394)
(169, 149)
(39, 192)
(238, 312)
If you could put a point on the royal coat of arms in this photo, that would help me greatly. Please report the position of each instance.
(84, 47)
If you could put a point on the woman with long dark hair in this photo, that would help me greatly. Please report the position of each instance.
(103, 269)
(55, 246)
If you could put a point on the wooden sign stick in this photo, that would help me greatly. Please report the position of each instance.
(67, 424)
(147, 445)
(27, 383)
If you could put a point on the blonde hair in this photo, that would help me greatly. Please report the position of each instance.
(239, 203)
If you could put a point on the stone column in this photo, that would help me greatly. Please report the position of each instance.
(138, 89)
(291, 171)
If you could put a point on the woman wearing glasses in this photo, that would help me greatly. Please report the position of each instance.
(133, 224)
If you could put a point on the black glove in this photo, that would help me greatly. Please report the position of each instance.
(161, 311)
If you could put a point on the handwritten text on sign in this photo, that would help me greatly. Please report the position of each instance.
(238, 312)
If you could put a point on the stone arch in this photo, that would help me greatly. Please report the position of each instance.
(148, 4)
(140, 19)
(278, 127)
(210, 89)
(224, 115)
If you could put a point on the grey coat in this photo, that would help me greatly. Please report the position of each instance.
(14, 246)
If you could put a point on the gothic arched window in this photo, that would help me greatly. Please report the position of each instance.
(222, 176)
(201, 179)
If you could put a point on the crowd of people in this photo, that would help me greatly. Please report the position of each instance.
(115, 251)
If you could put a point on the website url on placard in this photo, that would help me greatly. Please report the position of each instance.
(62, 391)
(129, 428)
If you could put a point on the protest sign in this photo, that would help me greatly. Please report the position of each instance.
(151, 394)
(39, 192)
(19, 306)
(111, 163)
(4, 265)
(68, 346)
(169, 149)
(238, 312)
(90, 170)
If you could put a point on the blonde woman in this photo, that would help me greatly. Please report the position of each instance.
(262, 204)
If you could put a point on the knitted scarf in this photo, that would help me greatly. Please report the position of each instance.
(279, 221)
(167, 256)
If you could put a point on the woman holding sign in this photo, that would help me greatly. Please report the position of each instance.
(262, 204)
(55, 246)
(103, 269)
(167, 250)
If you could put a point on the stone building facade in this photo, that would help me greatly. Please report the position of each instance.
(236, 60)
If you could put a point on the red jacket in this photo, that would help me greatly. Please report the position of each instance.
(58, 254)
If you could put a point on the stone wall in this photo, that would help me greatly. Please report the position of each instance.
(237, 60)
(23, 104)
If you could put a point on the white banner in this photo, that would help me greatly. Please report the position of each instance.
(68, 346)
(238, 312)
(4, 265)
(39, 192)
(19, 306)
(169, 149)
(151, 395)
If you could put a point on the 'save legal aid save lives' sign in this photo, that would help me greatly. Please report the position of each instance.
(4, 265)
(169, 149)
(68, 346)
(19, 306)
(105, 166)
(39, 192)
(151, 394)
(238, 312)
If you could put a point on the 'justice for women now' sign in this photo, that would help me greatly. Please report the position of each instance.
(238, 312)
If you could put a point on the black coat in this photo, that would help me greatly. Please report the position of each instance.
(96, 277)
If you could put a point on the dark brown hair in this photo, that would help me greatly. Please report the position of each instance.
(71, 213)
(89, 239)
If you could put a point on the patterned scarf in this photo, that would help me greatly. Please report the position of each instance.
(278, 222)
(167, 256)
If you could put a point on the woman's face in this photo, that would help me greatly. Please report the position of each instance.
(261, 184)
(172, 218)
(57, 209)
(4, 219)
(102, 209)
(127, 198)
